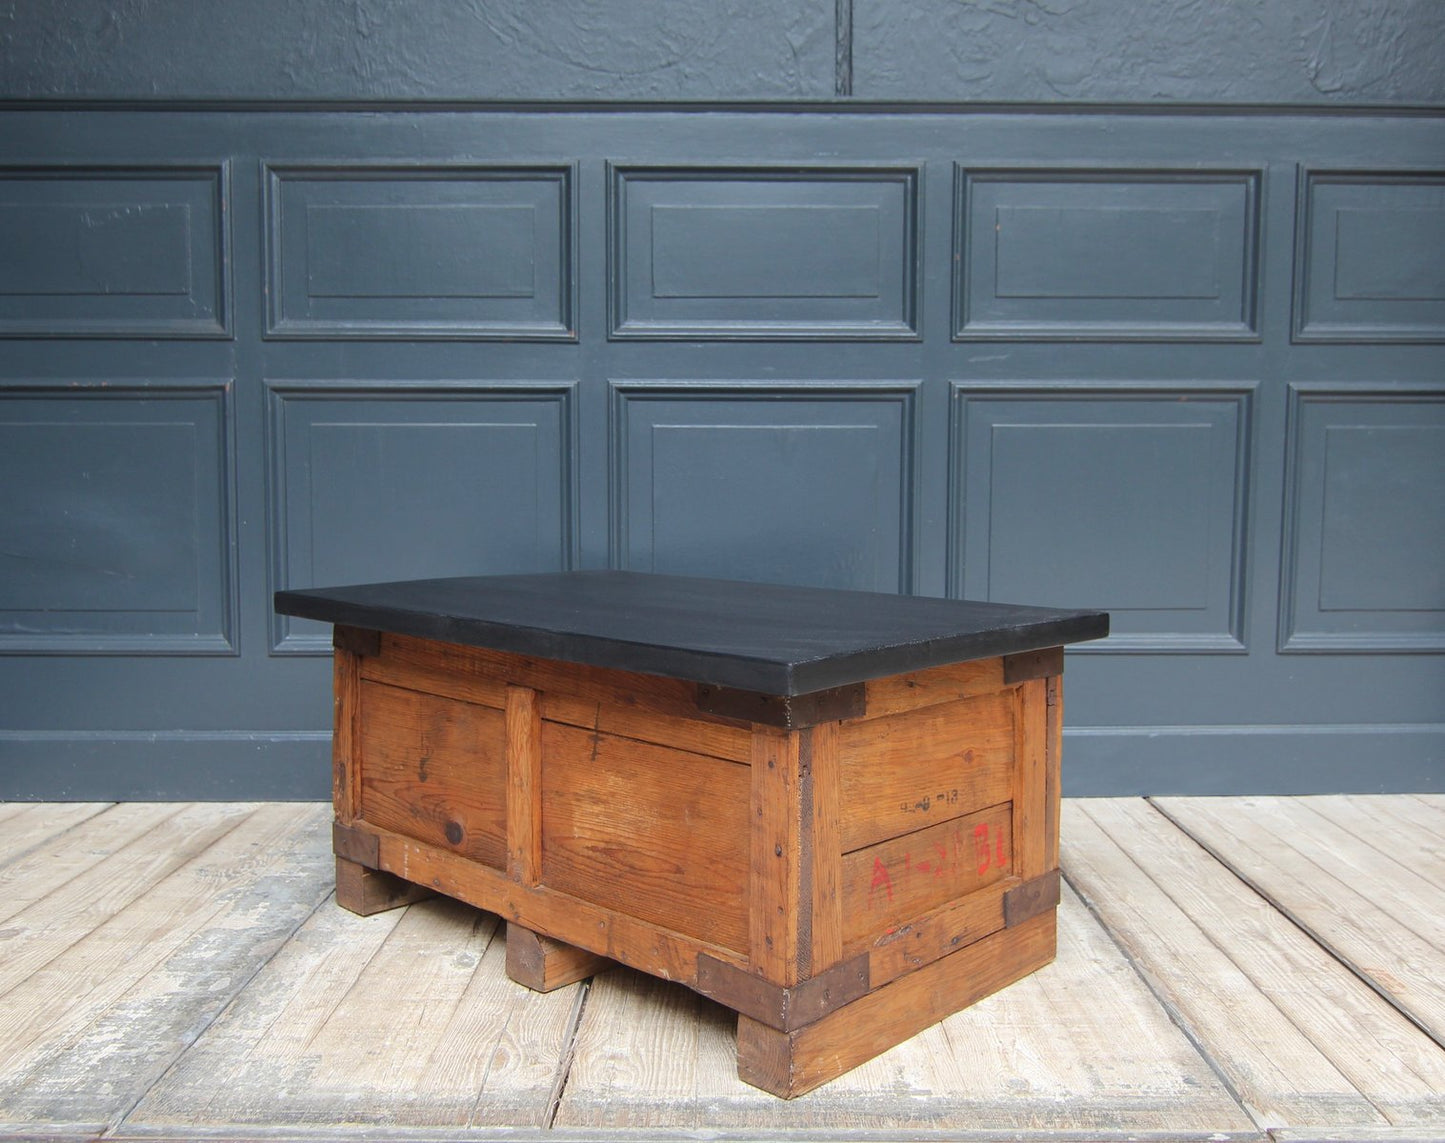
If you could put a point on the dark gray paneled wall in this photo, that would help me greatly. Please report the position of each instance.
(1186, 367)
(997, 51)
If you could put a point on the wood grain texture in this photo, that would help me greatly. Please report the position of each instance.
(899, 693)
(364, 891)
(645, 707)
(155, 841)
(790, 1064)
(1031, 792)
(902, 772)
(1398, 1069)
(435, 769)
(25, 826)
(542, 964)
(345, 734)
(824, 844)
(112, 994)
(896, 882)
(403, 1019)
(524, 785)
(655, 833)
(1053, 774)
(775, 853)
(1079, 1046)
(1373, 910)
(1278, 1073)
(629, 940)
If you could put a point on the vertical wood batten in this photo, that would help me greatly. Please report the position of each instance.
(1053, 772)
(346, 737)
(825, 846)
(774, 949)
(524, 785)
(1031, 798)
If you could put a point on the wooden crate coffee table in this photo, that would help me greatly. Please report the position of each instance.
(836, 813)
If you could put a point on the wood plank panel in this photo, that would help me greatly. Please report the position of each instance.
(435, 769)
(899, 880)
(24, 825)
(1399, 1069)
(404, 1019)
(1079, 1046)
(1407, 825)
(81, 904)
(898, 693)
(646, 707)
(1351, 898)
(89, 1031)
(1278, 1074)
(906, 771)
(79, 852)
(669, 827)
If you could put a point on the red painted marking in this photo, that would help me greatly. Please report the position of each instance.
(880, 878)
(1000, 856)
(981, 846)
(942, 858)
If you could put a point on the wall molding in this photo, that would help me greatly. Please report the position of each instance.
(625, 393)
(1230, 639)
(283, 323)
(281, 395)
(686, 323)
(1240, 326)
(202, 310)
(218, 613)
(1292, 637)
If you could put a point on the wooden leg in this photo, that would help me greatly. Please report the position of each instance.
(543, 964)
(366, 891)
(791, 1063)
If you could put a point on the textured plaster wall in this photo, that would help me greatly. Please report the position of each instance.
(417, 49)
(1231, 51)
(1227, 51)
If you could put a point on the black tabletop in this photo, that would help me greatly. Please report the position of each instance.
(759, 637)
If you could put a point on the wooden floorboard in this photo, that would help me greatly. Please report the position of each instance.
(107, 980)
(1080, 1044)
(1280, 1076)
(1234, 969)
(1398, 1070)
(25, 826)
(1374, 912)
(404, 1018)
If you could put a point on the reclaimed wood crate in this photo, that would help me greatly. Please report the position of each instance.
(842, 866)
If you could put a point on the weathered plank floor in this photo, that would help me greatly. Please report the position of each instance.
(1229, 969)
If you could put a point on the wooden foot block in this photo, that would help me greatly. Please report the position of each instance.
(792, 1063)
(366, 891)
(543, 964)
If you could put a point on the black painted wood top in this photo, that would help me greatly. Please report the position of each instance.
(758, 637)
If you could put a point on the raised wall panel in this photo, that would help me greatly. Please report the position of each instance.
(1106, 255)
(1371, 257)
(454, 252)
(1127, 500)
(802, 486)
(763, 254)
(374, 483)
(113, 252)
(1365, 521)
(115, 529)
